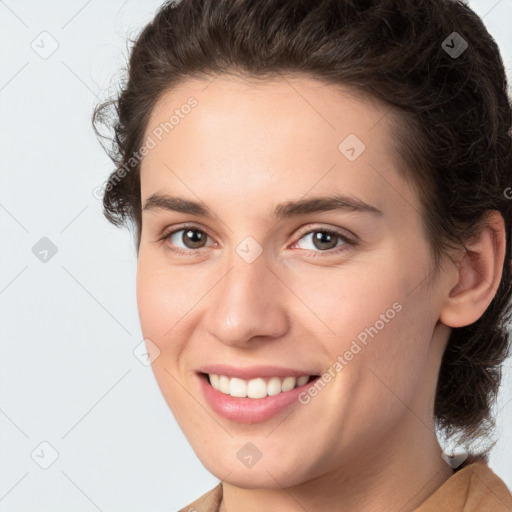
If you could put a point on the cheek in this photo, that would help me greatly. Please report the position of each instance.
(166, 291)
(345, 304)
(165, 305)
(379, 320)
(163, 298)
(385, 349)
(151, 302)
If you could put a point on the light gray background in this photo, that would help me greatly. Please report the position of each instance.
(69, 325)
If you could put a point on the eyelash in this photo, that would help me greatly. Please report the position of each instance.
(191, 252)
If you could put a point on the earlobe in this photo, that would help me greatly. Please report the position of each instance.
(479, 274)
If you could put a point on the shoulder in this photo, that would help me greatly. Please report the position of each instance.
(208, 502)
(474, 488)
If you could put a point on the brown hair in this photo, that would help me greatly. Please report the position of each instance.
(453, 134)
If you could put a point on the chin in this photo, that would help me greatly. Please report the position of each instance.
(263, 474)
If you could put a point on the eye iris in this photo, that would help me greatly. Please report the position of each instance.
(321, 237)
(193, 238)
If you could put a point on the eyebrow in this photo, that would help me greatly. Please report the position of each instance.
(288, 209)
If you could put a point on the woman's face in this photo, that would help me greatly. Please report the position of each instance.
(259, 288)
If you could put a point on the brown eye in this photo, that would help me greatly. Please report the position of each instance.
(323, 240)
(186, 239)
(193, 238)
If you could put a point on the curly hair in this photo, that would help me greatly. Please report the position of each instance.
(452, 130)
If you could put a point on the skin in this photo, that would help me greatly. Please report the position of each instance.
(367, 440)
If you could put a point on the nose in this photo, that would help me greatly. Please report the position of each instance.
(248, 304)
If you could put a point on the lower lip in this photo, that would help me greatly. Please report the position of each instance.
(249, 410)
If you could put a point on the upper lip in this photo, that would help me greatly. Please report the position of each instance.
(252, 372)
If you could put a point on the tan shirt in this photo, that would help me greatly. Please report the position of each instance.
(473, 488)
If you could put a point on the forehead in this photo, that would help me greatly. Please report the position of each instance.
(290, 134)
(261, 107)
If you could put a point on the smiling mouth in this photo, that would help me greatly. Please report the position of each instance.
(259, 387)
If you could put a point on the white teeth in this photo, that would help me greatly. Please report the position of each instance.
(223, 384)
(302, 380)
(237, 387)
(288, 383)
(214, 379)
(274, 386)
(255, 388)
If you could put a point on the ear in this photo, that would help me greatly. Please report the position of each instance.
(479, 274)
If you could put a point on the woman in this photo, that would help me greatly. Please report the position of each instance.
(311, 377)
